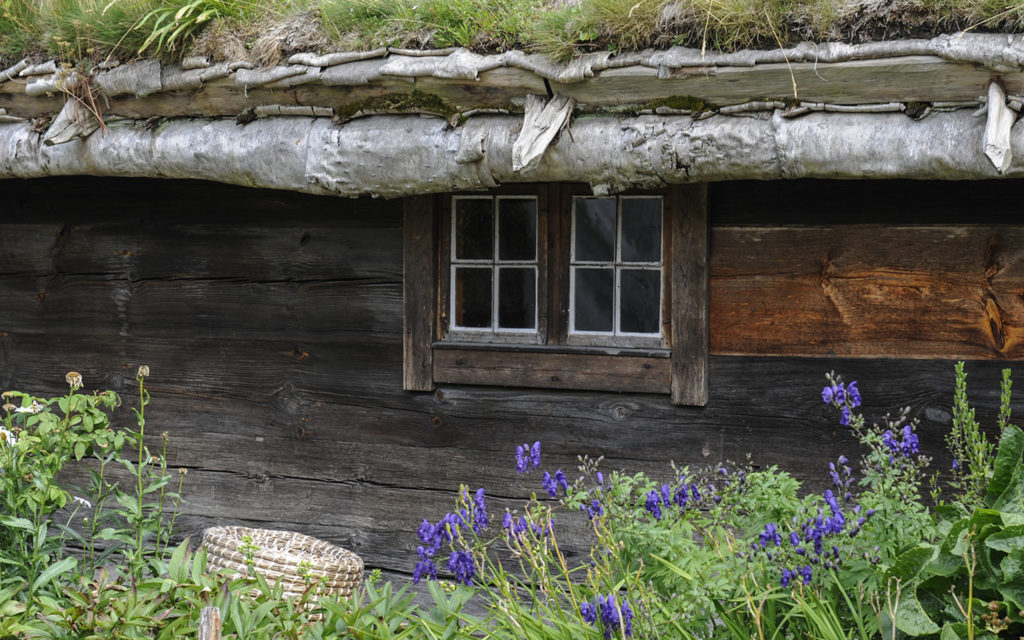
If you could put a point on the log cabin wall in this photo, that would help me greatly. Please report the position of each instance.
(272, 325)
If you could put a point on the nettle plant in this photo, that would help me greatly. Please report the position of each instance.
(726, 551)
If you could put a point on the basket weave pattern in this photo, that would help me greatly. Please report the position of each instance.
(278, 555)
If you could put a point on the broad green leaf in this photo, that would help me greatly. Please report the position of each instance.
(178, 567)
(911, 618)
(52, 571)
(911, 563)
(79, 450)
(1008, 459)
(952, 631)
(1009, 539)
(1012, 566)
(18, 523)
(1012, 499)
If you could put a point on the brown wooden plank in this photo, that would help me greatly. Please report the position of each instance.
(869, 291)
(552, 370)
(690, 330)
(418, 293)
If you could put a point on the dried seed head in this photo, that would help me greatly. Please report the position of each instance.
(993, 606)
(144, 371)
(182, 470)
(8, 407)
(7, 394)
(74, 380)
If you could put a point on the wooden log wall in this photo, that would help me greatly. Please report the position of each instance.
(272, 325)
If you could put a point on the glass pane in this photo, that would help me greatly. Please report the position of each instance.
(640, 300)
(641, 230)
(517, 298)
(473, 297)
(474, 229)
(593, 299)
(517, 229)
(594, 239)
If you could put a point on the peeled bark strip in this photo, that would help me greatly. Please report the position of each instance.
(393, 156)
(541, 123)
(73, 121)
(997, 128)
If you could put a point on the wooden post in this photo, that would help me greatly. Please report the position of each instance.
(209, 623)
(690, 331)
(418, 299)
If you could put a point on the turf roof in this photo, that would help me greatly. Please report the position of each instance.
(76, 31)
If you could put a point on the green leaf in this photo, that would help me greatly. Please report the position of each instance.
(18, 523)
(52, 571)
(178, 567)
(1008, 460)
(79, 450)
(952, 631)
(1008, 540)
(1012, 566)
(911, 618)
(909, 565)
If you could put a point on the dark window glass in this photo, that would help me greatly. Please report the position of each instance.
(517, 225)
(473, 297)
(641, 230)
(474, 229)
(640, 300)
(594, 299)
(517, 298)
(595, 230)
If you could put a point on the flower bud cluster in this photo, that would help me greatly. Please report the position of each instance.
(615, 619)
(448, 531)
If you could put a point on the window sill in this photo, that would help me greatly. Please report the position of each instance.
(593, 368)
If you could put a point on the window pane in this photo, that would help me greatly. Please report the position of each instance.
(593, 299)
(474, 229)
(473, 297)
(517, 298)
(517, 230)
(641, 230)
(594, 239)
(640, 299)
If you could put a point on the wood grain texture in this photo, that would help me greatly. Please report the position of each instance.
(689, 295)
(418, 293)
(552, 370)
(869, 290)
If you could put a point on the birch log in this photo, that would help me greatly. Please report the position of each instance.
(393, 156)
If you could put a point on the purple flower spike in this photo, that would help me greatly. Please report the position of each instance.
(653, 504)
(535, 454)
(827, 395)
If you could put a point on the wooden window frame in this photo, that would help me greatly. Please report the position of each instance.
(681, 370)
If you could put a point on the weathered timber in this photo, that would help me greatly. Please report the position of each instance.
(419, 303)
(406, 155)
(690, 277)
(554, 370)
(869, 290)
(209, 624)
(282, 394)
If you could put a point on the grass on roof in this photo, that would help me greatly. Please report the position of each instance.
(84, 30)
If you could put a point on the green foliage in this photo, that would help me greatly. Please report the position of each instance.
(972, 452)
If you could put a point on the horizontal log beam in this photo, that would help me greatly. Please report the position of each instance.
(393, 156)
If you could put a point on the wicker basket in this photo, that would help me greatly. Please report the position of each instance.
(278, 555)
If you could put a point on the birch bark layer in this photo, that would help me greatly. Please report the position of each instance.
(391, 156)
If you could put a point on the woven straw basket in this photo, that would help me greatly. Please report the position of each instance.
(278, 556)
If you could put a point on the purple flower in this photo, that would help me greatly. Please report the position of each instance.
(595, 509)
(480, 520)
(549, 484)
(521, 459)
(828, 395)
(844, 416)
(956, 465)
(588, 613)
(562, 481)
(653, 504)
(853, 394)
(461, 564)
(666, 496)
(805, 573)
(424, 568)
(794, 539)
(613, 617)
(788, 575)
(770, 534)
(600, 479)
(535, 454)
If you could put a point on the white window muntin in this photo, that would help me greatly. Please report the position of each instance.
(495, 265)
(617, 265)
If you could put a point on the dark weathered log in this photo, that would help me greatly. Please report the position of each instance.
(690, 293)
(418, 284)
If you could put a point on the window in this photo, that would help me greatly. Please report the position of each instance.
(550, 286)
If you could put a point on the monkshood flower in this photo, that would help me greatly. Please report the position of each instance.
(653, 504)
(615, 618)
(770, 534)
(595, 509)
(527, 457)
(461, 564)
(424, 568)
(844, 397)
(906, 446)
(480, 521)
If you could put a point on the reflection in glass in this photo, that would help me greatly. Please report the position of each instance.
(474, 229)
(594, 239)
(517, 298)
(640, 300)
(641, 230)
(472, 297)
(517, 229)
(593, 299)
